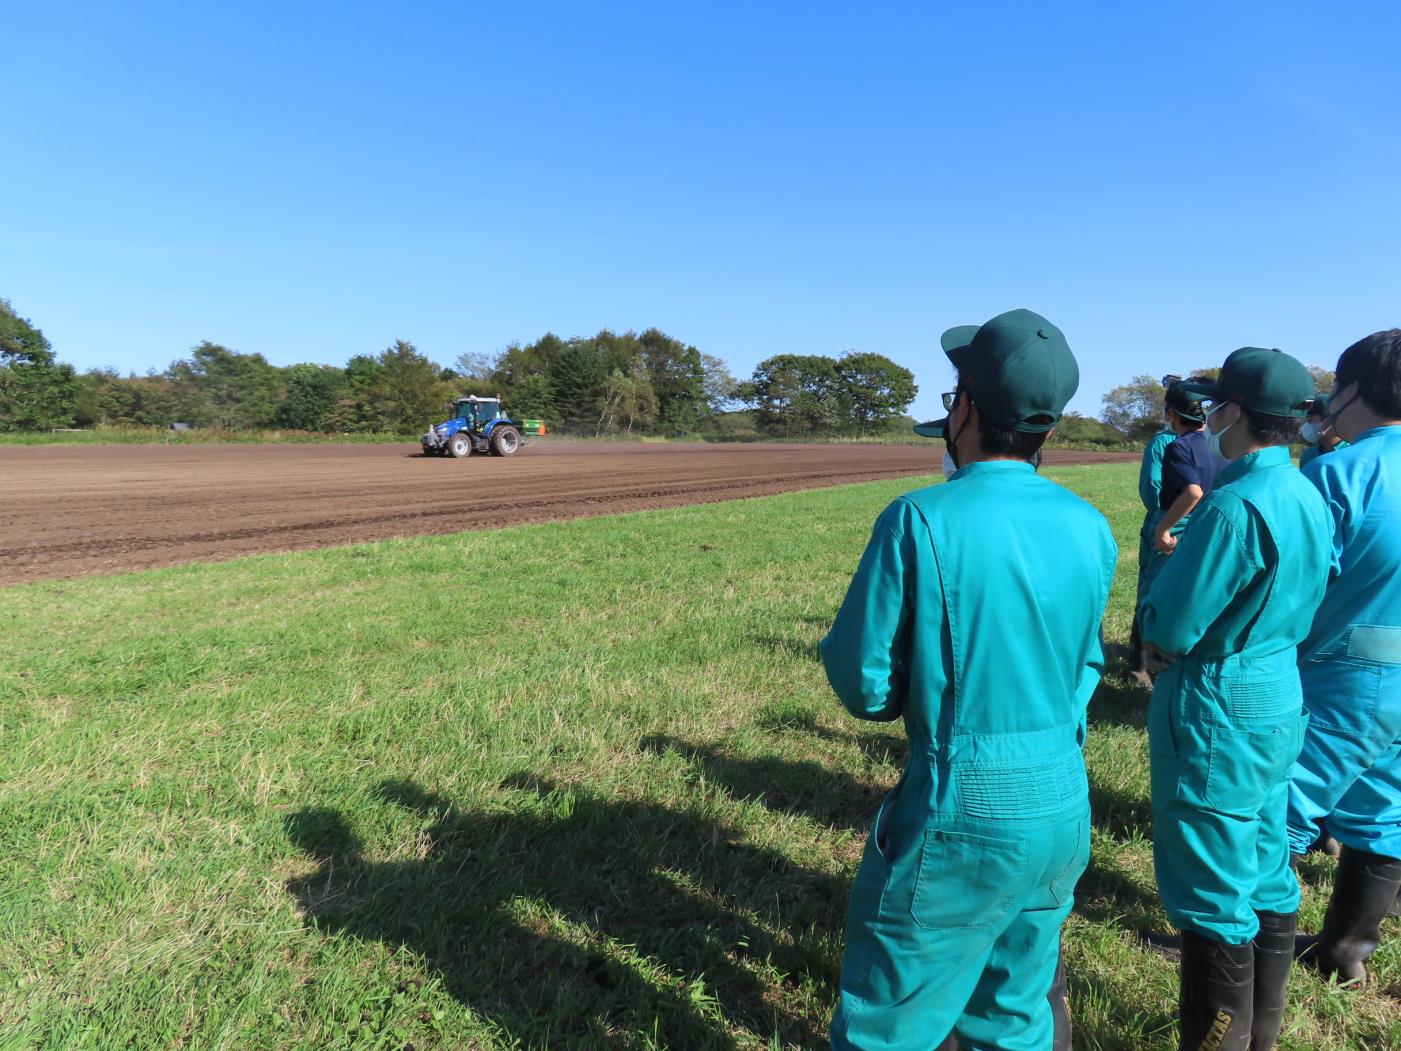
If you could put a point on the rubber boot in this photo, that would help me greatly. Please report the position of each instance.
(1060, 1009)
(1274, 952)
(1217, 998)
(1138, 656)
(1364, 891)
(1395, 909)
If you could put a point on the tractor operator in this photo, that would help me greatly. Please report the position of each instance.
(1224, 618)
(973, 619)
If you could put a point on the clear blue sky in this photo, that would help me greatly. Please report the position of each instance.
(313, 180)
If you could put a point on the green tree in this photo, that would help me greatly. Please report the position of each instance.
(1323, 379)
(312, 394)
(403, 392)
(37, 392)
(796, 395)
(1135, 409)
(579, 378)
(219, 387)
(874, 390)
(718, 387)
(628, 401)
(533, 398)
(677, 375)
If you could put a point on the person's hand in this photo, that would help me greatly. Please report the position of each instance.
(1156, 659)
(1165, 543)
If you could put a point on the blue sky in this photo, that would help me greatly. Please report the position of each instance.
(314, 180)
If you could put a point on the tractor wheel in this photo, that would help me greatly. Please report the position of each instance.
(459, 445)
(505, 441)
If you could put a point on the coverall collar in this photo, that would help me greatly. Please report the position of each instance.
(1270, 456)
(1377, 432)
(988, 466)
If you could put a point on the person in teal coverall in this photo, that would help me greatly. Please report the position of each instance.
(1319, 434)
(974, 615)
(1349, 772)
(1180, 415)
(1226, 720)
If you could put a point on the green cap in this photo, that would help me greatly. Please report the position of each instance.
(1265, 381)
(1319, 406)
(1018, 369)
(955, 339)
(1186, 405)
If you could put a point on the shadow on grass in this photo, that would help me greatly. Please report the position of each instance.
(811, 789)
(1119, 814)
(1119, 701)
(580, 921)
(1107, 894)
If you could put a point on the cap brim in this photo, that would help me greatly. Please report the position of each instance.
(933, 429)
(1199, 391)
(956, 340)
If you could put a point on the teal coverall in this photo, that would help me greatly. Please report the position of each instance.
(1150, 484)
(1313, 452)
(1349, 772)
(1226, 720)
(975, 616)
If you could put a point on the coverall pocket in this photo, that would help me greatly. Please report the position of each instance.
(1063, 885)
(966, 880)
(1244, 764)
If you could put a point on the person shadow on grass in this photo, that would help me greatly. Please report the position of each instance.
(573, 920)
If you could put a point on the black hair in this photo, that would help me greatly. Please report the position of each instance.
(1374, 364)
(997, 440)
(1272, 430)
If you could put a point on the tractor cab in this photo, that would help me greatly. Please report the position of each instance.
(478, 412)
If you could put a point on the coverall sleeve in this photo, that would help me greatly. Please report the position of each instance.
(1211, 566)
(1092, 667)
(1174, 474)
(864, 651)
(1337, 513)
(1150, 474)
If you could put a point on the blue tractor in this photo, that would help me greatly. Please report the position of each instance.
(478, 425)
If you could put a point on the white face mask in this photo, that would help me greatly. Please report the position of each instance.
(1213, 438)
(1310, 433)
(949, 466)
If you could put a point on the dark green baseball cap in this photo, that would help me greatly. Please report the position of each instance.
(1018, 369)
(955, 339)
(1319, 406)
(1265, 381)
(1188, 406)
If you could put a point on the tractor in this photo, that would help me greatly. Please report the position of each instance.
(478, 425)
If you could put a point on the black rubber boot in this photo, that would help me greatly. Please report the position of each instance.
(1274, 952)
(1395, 909)
(1060, 1009)
(1217, 999)
(1138, 656)
(1364, 891)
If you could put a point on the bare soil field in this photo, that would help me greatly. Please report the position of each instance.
(68, 511)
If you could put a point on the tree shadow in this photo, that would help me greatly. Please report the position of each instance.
(553, 918)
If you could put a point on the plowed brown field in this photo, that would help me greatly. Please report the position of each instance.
(72, 510)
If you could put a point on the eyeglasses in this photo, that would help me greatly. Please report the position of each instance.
(950, 398)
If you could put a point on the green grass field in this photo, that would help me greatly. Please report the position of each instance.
(572, 785)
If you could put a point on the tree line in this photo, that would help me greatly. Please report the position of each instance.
(646, 383)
